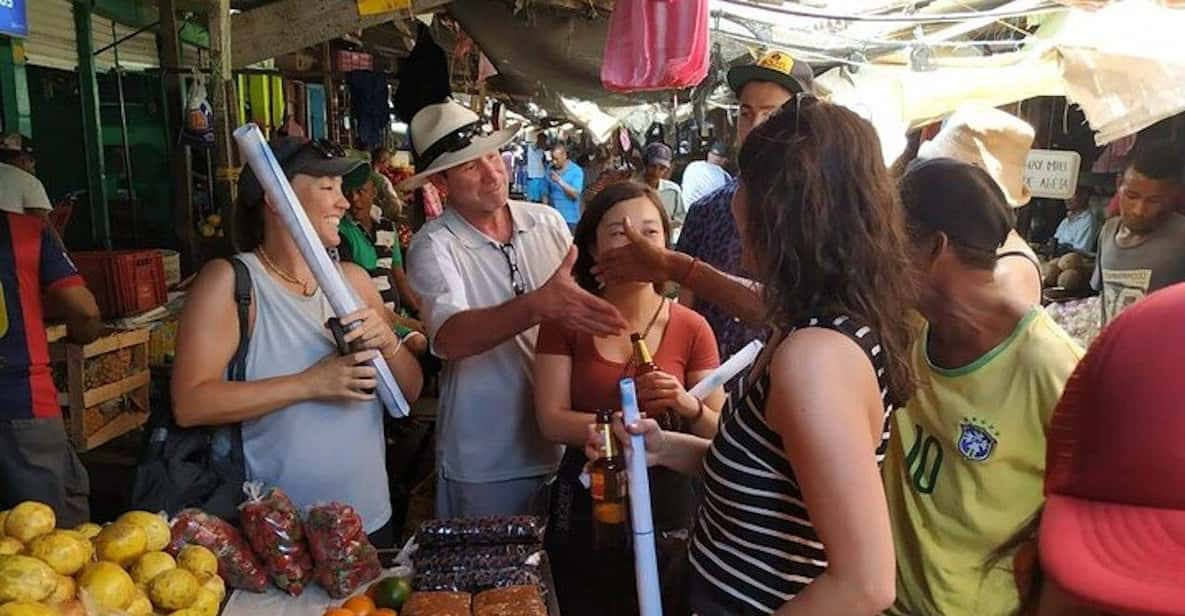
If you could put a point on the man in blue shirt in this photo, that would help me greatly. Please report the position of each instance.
(1079, 230)
(564, 185)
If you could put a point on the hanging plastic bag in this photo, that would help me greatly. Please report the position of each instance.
(272, 526)
(198, 128)
(656, 45)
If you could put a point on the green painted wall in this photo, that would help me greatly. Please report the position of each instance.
(140, 13)
(61, 162)
(14, 91)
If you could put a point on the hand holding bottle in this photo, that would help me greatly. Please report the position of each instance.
(656, 440)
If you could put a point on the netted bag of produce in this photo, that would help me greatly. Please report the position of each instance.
(272, 525)
(237, 565)
(493, 530)
(343, 557)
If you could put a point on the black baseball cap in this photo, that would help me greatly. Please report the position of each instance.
(958, 199)
(720, 149)
(318, 158)
(775, 66)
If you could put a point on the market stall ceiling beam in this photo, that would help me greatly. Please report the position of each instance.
(290, 25)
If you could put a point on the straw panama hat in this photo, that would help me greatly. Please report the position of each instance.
(993, 140)
(446, 135)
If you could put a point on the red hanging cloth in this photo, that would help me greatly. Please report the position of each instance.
(656, 45)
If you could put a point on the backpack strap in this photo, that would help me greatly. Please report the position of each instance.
(237, 370)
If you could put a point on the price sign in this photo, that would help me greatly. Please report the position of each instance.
(1052, 174)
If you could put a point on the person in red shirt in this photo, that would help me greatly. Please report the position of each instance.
(36, 460)
(1111, 538)
(577, 374)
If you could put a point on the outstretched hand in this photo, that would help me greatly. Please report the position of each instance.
(638, 261)
(561, 298)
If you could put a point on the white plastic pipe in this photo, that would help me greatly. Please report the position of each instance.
(718, 377)
(645, 557)
(341, 297)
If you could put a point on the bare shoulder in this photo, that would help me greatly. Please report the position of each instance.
(824, 378)
(812, 353)
(215, 280)
(211, 298)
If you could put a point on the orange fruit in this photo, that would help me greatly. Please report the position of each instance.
(384, 612)
(360, 605)
(338, 611)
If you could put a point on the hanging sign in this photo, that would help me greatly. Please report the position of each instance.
(376, 7)
(13, 20)
(1052, 174)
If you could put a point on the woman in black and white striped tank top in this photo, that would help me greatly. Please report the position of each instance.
(794, 518)
(754, 545)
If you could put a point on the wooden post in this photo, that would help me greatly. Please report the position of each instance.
(170, 51)
(284, 26)
(225, 106)
(332, 127)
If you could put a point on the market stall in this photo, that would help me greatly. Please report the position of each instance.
(277, 561)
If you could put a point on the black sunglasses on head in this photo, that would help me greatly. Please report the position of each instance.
(321, 147)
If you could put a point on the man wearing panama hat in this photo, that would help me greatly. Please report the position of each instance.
(488, 271)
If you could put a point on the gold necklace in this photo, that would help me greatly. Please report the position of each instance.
(288, 277)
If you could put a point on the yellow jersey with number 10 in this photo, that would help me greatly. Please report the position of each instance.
(966, 466)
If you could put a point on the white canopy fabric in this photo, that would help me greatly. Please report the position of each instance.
(1124, 65)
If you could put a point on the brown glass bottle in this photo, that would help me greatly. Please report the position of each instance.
(643, 360)
(609, 489)
(644, 364)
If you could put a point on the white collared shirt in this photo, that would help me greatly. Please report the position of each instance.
(487, 428)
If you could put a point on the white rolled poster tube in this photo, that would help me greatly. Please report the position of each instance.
(341, 297)
(645, 556)
(739, 361)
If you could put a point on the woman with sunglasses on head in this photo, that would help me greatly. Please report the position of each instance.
(577, 374)
(794, 519)
(311, 423)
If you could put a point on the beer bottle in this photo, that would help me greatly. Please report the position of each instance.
(608, 488)
(643, 360)
(644, 364)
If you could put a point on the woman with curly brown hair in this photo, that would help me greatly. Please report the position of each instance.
(794, 519)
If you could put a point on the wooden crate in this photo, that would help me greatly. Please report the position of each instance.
(89, 420)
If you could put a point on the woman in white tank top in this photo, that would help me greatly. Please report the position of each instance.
(310, 422)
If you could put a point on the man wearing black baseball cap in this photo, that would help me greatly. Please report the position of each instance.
(709, 233)
(966, 461)
(311, 424)
(656, 160)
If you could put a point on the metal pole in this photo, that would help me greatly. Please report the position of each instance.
(92, 133)
(127, 148)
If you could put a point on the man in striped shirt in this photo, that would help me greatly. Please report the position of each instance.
(36, 461)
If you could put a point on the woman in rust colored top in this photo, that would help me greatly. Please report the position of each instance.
(576, 375)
